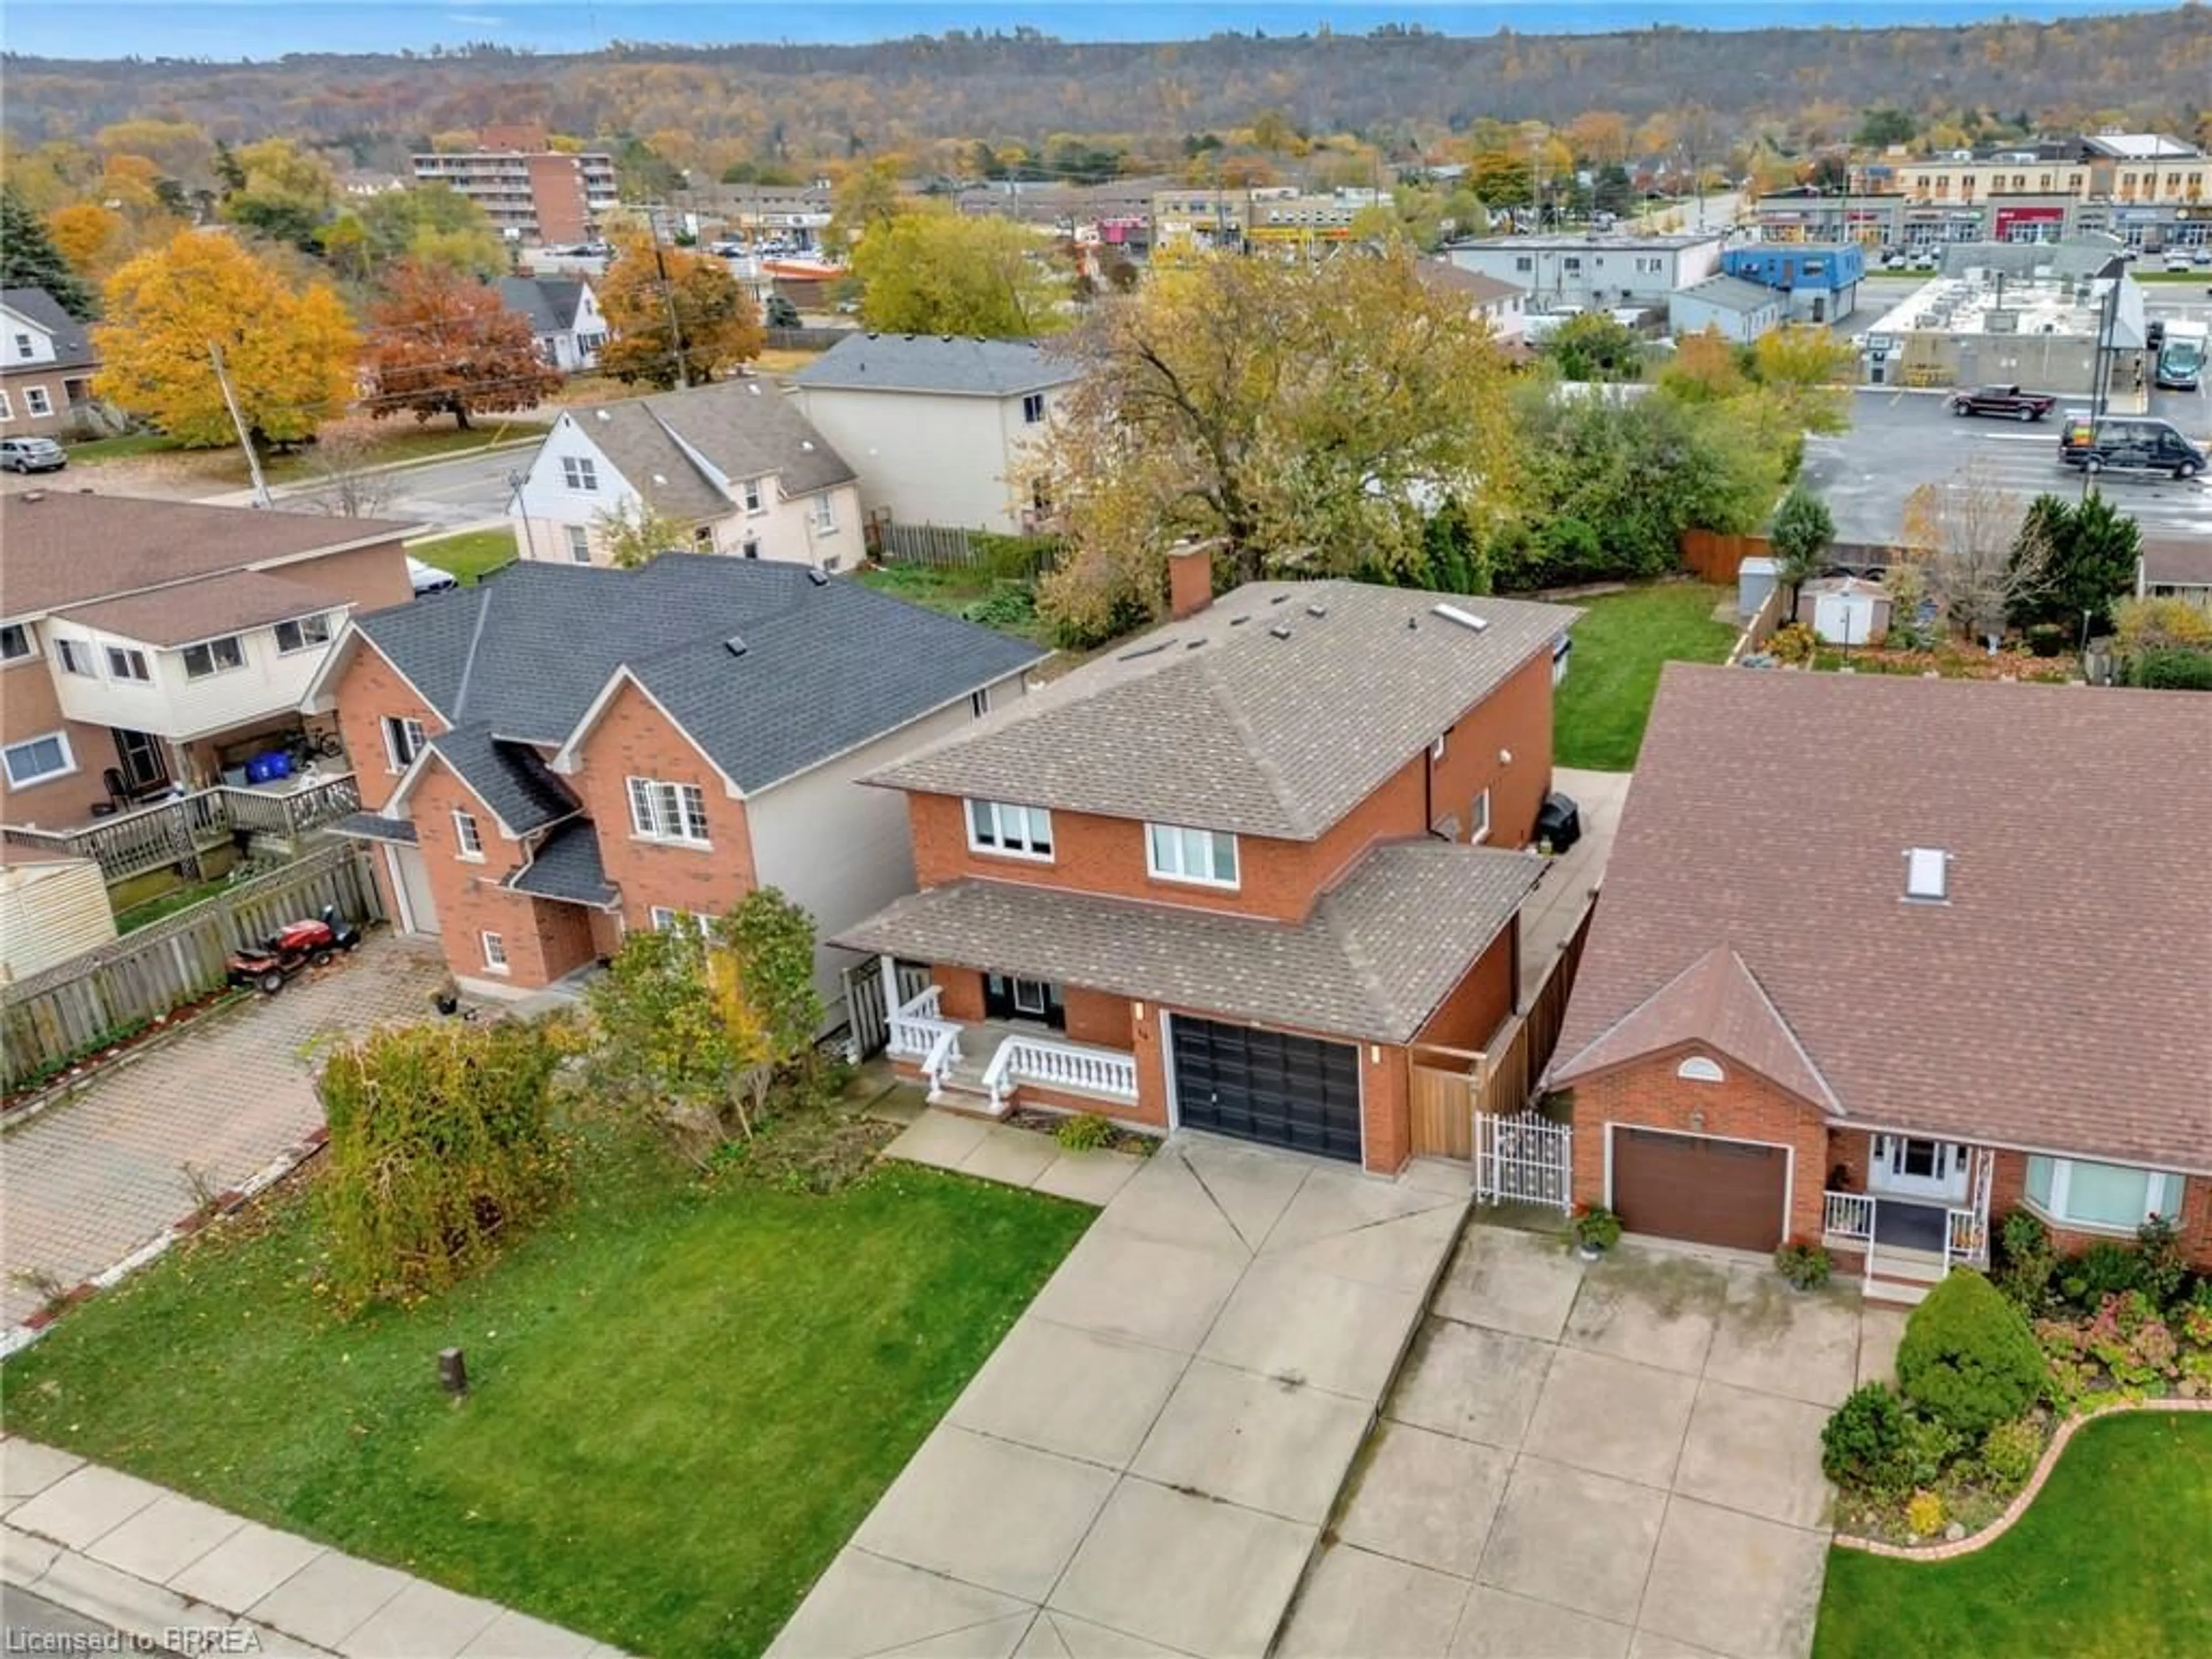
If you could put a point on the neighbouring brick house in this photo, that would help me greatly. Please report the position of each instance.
(1880, 959)
(149, 645)
(1229, 875)
(559, 754)
(47, 366)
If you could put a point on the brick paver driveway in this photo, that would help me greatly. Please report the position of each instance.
(92, 1178)
(1617, 1461)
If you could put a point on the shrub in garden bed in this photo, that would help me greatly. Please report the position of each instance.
(1969, 1358)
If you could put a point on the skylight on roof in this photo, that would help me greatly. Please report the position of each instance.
(1465, 618)
(1927, 874)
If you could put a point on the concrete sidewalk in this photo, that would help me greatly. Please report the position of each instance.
(156, 1565)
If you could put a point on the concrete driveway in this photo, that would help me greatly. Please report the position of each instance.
(92, 1177)
(1592, 1462)
(1145, 1463)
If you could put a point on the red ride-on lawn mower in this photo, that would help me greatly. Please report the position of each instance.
(295, 945)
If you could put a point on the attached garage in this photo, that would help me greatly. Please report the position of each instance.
(1730, 1193)
(1268, 1086)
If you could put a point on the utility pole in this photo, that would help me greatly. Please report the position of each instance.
(244, 438)
(675, 327)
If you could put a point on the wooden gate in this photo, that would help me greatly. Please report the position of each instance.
(868, 1026)
(1443, 1110)
(1523, 1159)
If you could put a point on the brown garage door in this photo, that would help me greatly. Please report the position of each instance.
(1716, 1191)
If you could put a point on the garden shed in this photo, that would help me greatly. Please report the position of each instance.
(51, 909)
(1845, 610)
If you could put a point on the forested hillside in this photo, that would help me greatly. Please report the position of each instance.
(1402, 87)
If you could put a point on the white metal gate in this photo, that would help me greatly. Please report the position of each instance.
(1523, 1159)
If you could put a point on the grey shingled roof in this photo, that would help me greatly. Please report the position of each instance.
(932, 362)
(549, 302)
(1214, 722)
(2055, 1001)
(1373, 961)
(72, 345)
(568, 867)
(825, 669)
(744, 428)
(369, 826)
(191, 611)
(508, 777)
(1732, 293)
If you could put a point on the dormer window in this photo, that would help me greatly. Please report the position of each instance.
(1927, 875)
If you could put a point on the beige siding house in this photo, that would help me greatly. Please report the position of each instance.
(937, 427)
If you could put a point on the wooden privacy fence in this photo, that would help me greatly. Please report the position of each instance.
(940, 544)
(1715, 557)
(1452, 1086)
(80, 1003)
(867, 1022)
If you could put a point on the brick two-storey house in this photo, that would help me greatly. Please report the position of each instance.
(1881, 959)
(1227, 876)
(562, 753)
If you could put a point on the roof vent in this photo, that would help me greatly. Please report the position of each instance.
(1280, 631)
(817, 575)
(1280, 598)
(1238, 622)
(1193, 645)
(1927, 875)
(753, 387)
(807, 444)
(605, 414)
(660, 477)
(872, 335)
(1142, 650)
(1316, 611)
(735, 645)
(1464, 619)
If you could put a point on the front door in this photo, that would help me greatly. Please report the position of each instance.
(1006, 997)
(145, 759)
(1910, 1167)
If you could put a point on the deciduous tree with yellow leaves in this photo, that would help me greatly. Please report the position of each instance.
(676, 317)
(929, 270)
(290, 354)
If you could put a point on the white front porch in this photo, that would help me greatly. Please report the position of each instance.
(1926, 1210)
(989, 1061)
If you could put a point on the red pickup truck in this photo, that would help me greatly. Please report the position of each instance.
(2008, 401)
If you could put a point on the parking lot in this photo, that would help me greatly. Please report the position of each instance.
(1900, 440)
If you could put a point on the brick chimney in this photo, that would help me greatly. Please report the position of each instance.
(1190, 577)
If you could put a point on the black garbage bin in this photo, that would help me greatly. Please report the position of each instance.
(1559, 821)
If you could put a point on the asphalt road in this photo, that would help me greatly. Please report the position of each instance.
(1899, 439)
(445, 495)
(57, 1629)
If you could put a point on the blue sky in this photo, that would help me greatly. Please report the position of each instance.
(231, 29)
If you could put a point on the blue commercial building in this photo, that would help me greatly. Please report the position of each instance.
(1819, 280)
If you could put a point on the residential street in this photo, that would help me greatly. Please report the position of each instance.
(93, 1178)
(441, 494)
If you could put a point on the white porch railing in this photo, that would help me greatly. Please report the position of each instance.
(1966, 1231)
(919, 1031)
(1850, 1215)
(1060, 1065)
(944, 1055)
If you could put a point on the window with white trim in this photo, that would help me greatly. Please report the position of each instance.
(7, 408)
(467, 836)
(579, 543)
(668, 812)
(36, 402)
(124, 663)
(2115, 1197)
(212, 657)
(1032, 407)
(36, 759)
(23, 345)
(979, 701)
(1477, 818)
(495, 953)
(668, 921)
(1173, 852)
(581, 473)
(15, 642)
(825, 516)
(754, 501)
(1010, 829)
(302, 634)
(403, 740)
(75, 657)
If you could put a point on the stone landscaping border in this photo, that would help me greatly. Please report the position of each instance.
(2018, 1507)
(16, 1338)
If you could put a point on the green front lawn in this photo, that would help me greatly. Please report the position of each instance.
(400, 440)
(471, 554)
(2108, 1562)
(1621, 644)
(685, 1396)
(112, 449)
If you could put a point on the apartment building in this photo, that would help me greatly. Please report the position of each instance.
(533, 194)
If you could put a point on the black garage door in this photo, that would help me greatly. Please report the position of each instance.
(1715, 1191)
(1263, 1086)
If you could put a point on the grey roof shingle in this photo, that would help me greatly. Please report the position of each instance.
(931, 362)
(1373, 961)
(371, 826)
(1214, 722)
(745, 429)
(508, 777)
(826, 667)
(568, 867)
(72, 344)
(2172, 561)
(549, 302)
(1732, 293)
(2056, 1001)
(190, 611)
